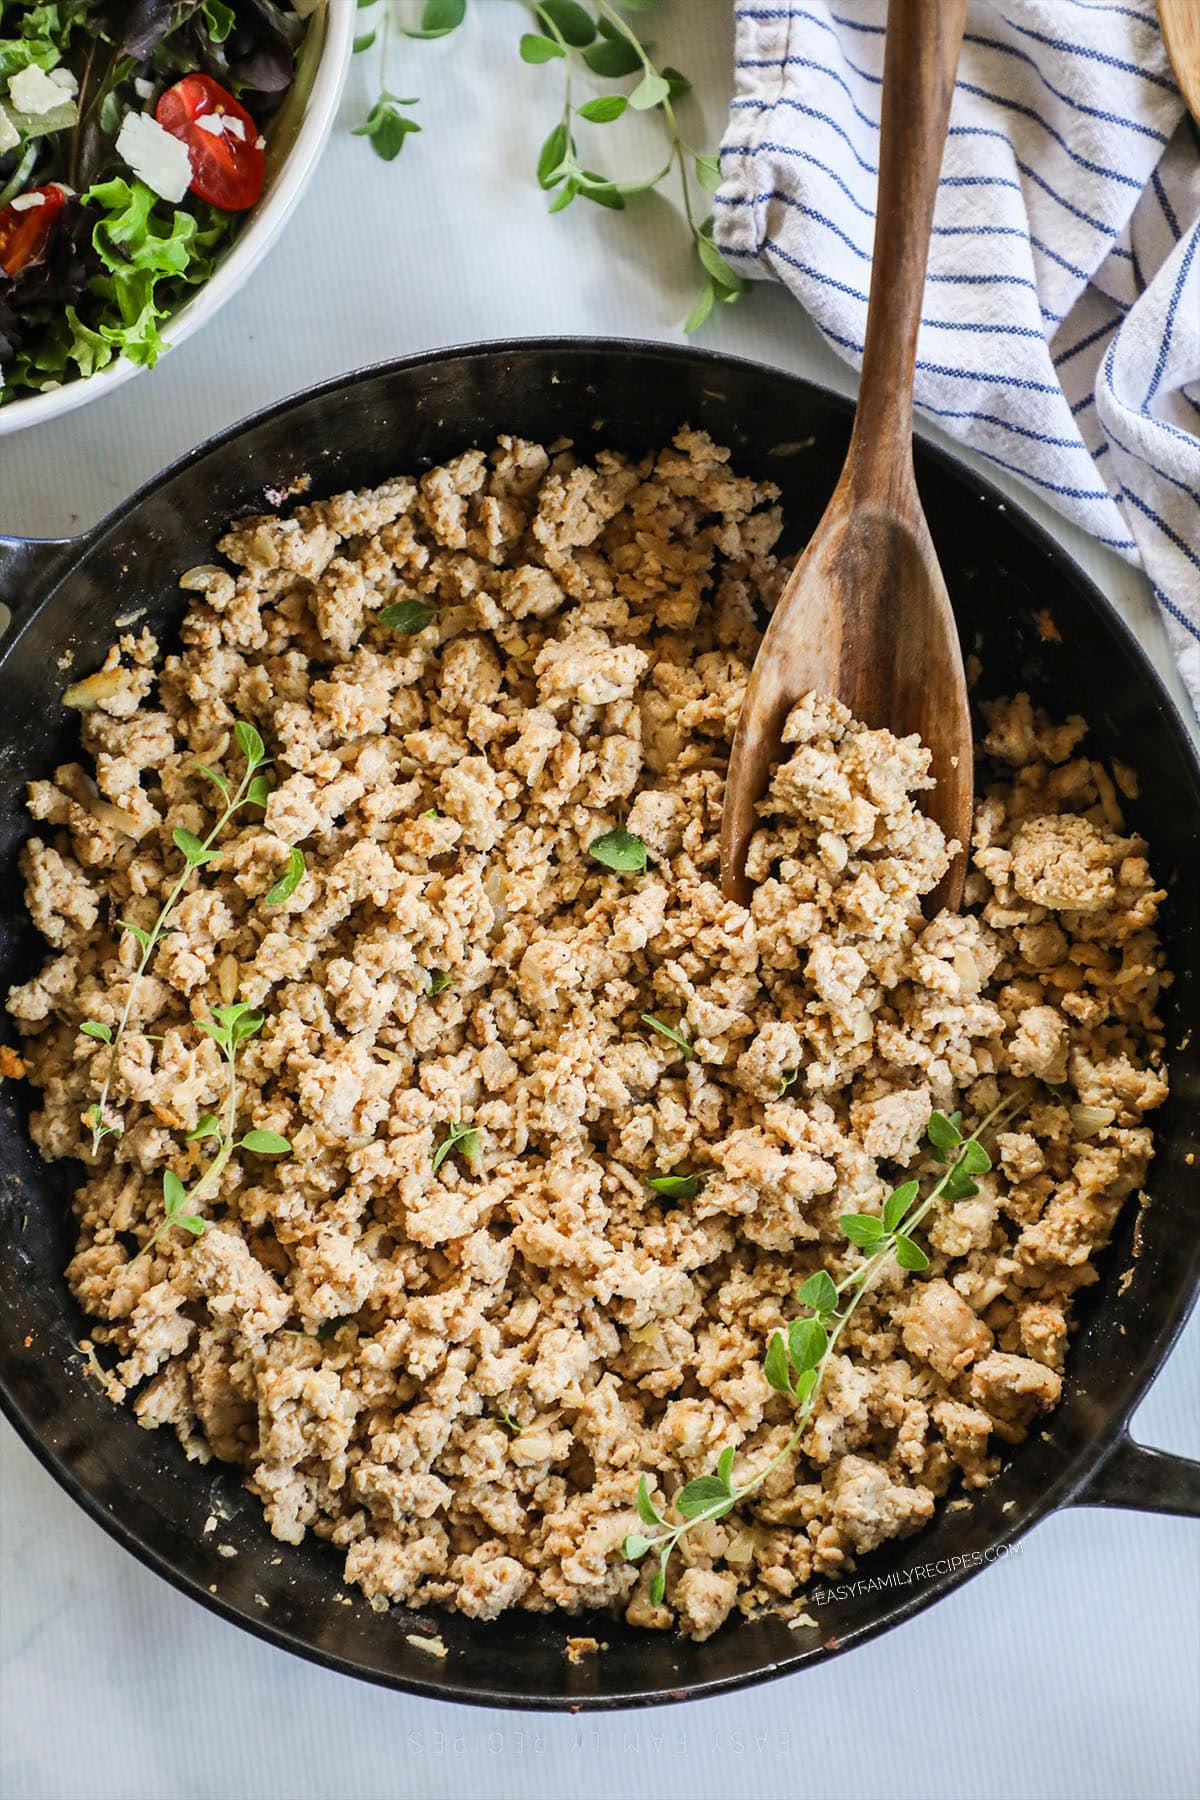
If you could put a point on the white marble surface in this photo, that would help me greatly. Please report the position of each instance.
(1070, 1670)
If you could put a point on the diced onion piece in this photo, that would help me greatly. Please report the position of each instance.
(1088, 1120)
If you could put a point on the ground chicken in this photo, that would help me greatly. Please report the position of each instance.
(523, 1246)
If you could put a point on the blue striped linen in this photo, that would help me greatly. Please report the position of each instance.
(1061, 335)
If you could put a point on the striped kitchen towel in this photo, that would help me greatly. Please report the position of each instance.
(1061, 334)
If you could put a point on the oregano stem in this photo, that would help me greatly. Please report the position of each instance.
(232, 805)
(856, 1284)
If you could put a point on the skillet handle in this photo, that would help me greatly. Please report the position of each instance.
(29, 567)
(1146, 1480)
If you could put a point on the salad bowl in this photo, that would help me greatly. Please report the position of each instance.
(295, 139)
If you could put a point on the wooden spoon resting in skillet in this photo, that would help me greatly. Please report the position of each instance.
(865, 614)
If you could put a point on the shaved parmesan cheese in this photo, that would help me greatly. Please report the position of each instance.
(157, 158)
(10, 137)
(33, 91)
(142, 88)
(63, 78)
(260, 143)
(26, 202)
(219, 124)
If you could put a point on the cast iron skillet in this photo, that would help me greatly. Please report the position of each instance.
(1036, 622)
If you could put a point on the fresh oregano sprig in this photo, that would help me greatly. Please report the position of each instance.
(385, 126)
(672, 1036)
(620, 850)
(459, 1137)
(608, 46)
(229, 1028)
(797, 1360)
(252, 790)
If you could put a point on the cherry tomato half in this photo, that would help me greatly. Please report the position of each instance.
(25, 227)
(222, 141)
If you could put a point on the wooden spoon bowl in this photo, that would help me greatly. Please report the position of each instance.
(865, 614)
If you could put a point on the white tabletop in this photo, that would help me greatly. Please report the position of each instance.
(1067, 1671)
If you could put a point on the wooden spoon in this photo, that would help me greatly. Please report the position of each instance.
(1179, 21)
(865, 614)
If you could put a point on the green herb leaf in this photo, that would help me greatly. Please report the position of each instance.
(658, 1581)
(599, 190)
(94, 1029)
(819, 1292)
(806, 1381)
(943, 1133)
(708, 173)
(807, 1343)
(621, 850)
(190, 847)
(387, 128)
(959, 1186)
(672, 1037)
(702, 308)
(675, 1187)
(634, 1546)
(190, 1222)
(143, 937)
(249, 741)
(438, 19)
(647, 1511)
(910, 1255)
(407, 617)
(535, 48)
(243, 1021)
(788, 1078)
(206, 1127)
(776, 1364)
(174, 1192)
(564, 196)
(265, 1143)
(677, 82)
(862, 1229)
(505, 1418)
(650, 91)
(974, 1159)
(218, 781)
(604, 110)
(552, 157)
(725, 1467)
(898, 1203)
(612, 57)
(364, 42)
(573, 23)
(699, 1495)
(715, 266)
(289, 881)
(459, 1136)
(439, 981)
(258, 791)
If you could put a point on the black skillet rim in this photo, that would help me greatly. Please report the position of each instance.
(1073, 1481)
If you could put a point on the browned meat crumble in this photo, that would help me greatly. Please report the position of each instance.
(353, 1324)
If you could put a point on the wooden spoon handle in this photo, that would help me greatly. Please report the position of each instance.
(920, 58)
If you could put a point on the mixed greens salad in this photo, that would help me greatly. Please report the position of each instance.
(132, 136)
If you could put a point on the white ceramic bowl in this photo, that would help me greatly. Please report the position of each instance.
(291, 159)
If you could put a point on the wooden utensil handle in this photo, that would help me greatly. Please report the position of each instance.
(920, 59)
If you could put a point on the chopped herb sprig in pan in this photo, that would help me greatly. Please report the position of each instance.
(797, 1361)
